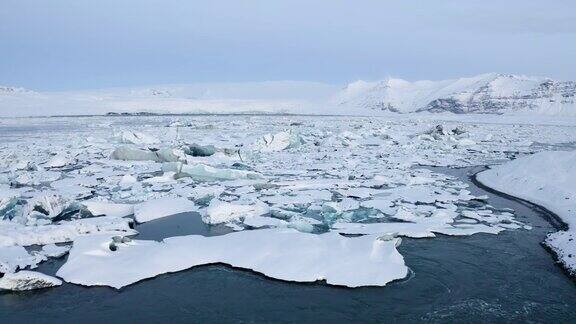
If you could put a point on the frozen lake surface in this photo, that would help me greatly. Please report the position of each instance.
(483, 277)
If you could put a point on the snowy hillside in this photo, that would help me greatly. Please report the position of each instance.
(486, 93)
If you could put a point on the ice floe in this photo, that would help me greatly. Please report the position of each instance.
(162, 207)
(27, 280)
(277, 253)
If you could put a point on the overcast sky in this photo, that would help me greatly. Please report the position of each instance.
(75, 44)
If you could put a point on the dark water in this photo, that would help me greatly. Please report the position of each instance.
(480, 278)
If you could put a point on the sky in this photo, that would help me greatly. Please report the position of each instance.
(81, 44)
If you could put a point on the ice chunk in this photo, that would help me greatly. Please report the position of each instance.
(384, 205)
(204, 194)
(15, 257)
(46, 207)
(133, 137)
(127, 153)
(283, 254)
(102, 208)
(27, 280)
(9, 208)
(263, 221)
(166, 177)
(203, 172)
(65, 231)
(200, 150)
(162, 207)
(222, 212)
(59, 161)
(55, 251)
(346, 204)
(127, 180)
(24, 166)
(424, 228)
(279, 141)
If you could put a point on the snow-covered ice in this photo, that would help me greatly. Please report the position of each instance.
(317, 180)
(162, 207)
(223, 212)
(277, 253)
(27, 280)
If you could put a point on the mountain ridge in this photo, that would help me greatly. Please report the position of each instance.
(486, 93)
(490, 93)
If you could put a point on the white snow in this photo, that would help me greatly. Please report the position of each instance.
(27, 280)
(17, 234)
(132, 137)
(222, 212)
(204, 172)
(528, 95)
(55, 251)
(102, 208)
(278, 142)
(16, 257)
(471, 94)
(283, 254)
(547, 179)
(162, 207)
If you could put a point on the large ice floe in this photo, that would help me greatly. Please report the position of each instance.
(277, 253)
(308, 198)
(547, 179)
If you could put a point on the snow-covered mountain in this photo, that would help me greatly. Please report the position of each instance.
(486, 93)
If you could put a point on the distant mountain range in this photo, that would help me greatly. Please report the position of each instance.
(487, 94)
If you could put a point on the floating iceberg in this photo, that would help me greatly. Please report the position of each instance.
(283, 254)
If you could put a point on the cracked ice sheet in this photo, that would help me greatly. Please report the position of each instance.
(283, 254)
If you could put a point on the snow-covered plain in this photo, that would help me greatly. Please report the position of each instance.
(289, 181)
(549, 180)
